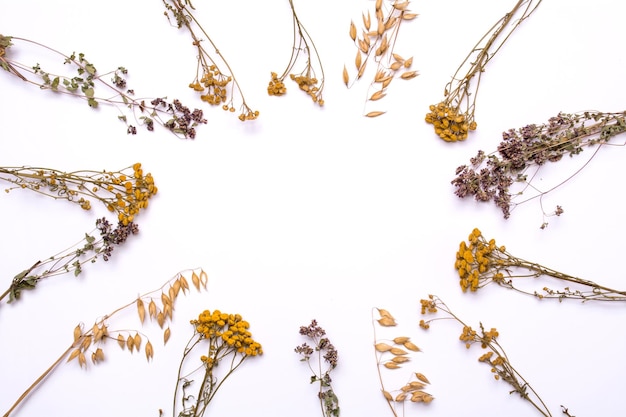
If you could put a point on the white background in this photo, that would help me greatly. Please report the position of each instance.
(315, 213)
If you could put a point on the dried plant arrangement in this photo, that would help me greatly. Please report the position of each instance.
(322, 349)
(311, 78)
(392, 354)
(218, 338)
(507, 173)
(86, 82)
(125, 192)
(215, 80)
(453, 117)
(376, 45)
(88, 342)
(480, 262)
(72, 259)
(494, 356)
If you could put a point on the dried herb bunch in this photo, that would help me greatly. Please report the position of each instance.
(377, 46)
(86, 251)
(214, 79)
(453, 117)
(325, 350)
(523, 151)
(480, 262)
(393, 354)
(89, 341)
(86, 83)
(125, 192)
(311, 78)
(494, 355)
(219, 338)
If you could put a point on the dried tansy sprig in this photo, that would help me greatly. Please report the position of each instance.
(494, 355)
(453, 117)
(393, 354)
(125, 192)
(311, 78)
(86, 82)
(480, 262)
(523, 151)
(218, 338)
(325, 350)
(376, 44)
(88, 250)
(214, 79)
(157, 305)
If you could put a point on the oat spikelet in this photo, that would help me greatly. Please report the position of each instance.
(195, 280)
(379, 4)
(77, 333)
(160, 319)
(86, 343)
(204, 278)
(352, 31)
(152, 309)
(395, 66)
(74, 354)
(387, 396)
(183, 283)
(411, 346)
(408, 62)
(409, 75)
(384, 313)
(422, 378)
(141, 310)
(400, 339)
(82, 361)
(137, 341)
(121, 341)
(346, 77)
(401, 397)
(358, 60)
(166, 335)
(367, 21)
(409, 16)
(97, 356)
(377, 95)
(149, 351)
(383, 320)
(400, 359)
(401, 5)
(398, 351)
(391, 365)
(130, 343)
(382, 347)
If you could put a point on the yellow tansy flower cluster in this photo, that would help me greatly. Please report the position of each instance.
(131, 193)
(309, 86)
(215, 83)
(276, 86)
(475, 261)
(450, 125)
(227, 332)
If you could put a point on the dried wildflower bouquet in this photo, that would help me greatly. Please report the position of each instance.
(86, 83)
(453, 117)
(492, 177)
(325, 350)
(495, 356)
(218, 339)
(87, 251)
(480, 262)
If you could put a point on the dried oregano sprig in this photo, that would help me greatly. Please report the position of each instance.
(377, 45)
(392, 354)
(219, 338)
(86, 82)
(494, 356)
(88, 341)
(329, 402)
(214, 79)
(523, 151)
(480, 262)
(88, 250)
(453, 117)
(307, 79)
(125, 192)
